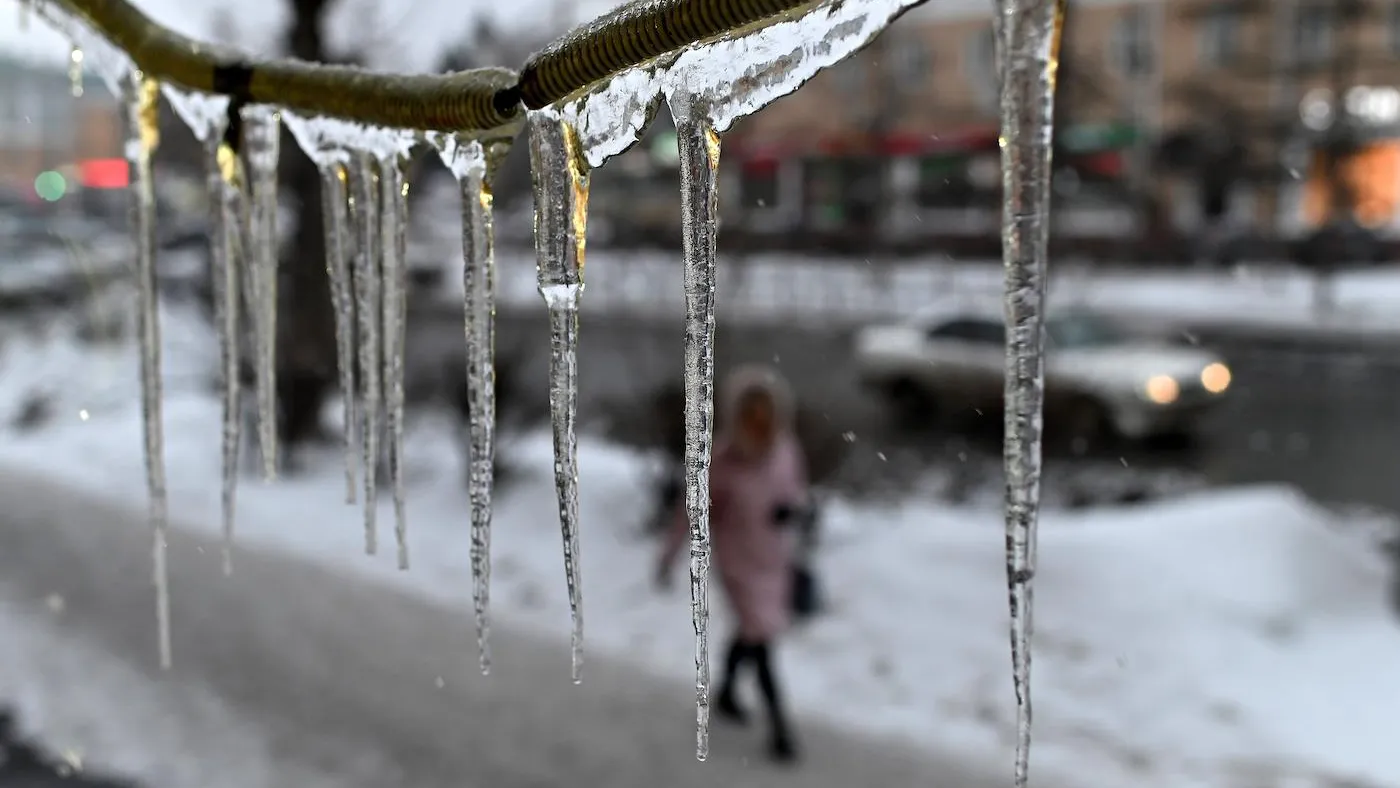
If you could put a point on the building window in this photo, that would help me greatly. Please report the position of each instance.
(1130, 47)
(980, 67)
(909, 62)
(1314, 34)
(759, 186)
(1392, 19)
(1219, 38)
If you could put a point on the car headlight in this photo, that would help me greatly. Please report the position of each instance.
(1162, 389)
(1215, 378)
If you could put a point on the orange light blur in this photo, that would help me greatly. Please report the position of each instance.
(1371, 175)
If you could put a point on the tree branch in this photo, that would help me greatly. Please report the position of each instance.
(464, 101)
(635, 33)
(475, 100)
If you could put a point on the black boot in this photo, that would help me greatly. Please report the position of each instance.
(728, 705)
(782, 746)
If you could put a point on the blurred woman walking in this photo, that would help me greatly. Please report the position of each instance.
(758, 494)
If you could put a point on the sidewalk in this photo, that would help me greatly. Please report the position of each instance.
(361, 685)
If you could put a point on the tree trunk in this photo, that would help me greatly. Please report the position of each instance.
(306, 350)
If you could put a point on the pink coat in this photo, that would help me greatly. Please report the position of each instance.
(752, 555)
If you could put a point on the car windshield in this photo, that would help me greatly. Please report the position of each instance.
(1082, 331)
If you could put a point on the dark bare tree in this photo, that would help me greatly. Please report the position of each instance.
(306, 350)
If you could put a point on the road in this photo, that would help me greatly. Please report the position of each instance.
(350, 684)
(1322, 418)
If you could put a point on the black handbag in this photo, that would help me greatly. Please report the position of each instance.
(806, 592)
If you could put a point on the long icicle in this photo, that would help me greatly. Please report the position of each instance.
(393, 206)
(364, 190)
(698, 145)
(142, 101)
(226, 219)
(333, 219)
(261, 151)
(1028, 49)
(468, 160)
(560, 183)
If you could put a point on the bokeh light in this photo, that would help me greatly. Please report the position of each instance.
(50, 186)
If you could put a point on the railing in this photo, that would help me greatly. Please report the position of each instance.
(580, 101)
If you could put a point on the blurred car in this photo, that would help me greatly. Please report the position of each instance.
(1100, 382)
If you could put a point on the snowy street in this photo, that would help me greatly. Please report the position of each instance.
(293, 674)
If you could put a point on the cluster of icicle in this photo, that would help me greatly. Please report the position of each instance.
(707, 87)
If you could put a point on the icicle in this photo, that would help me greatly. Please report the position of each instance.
(698, 144)
(141, 97)
(365, 196)
(468, 161)
(333, 209)
(393, 205)
(207, 117)
(329, 142)
(75, 70)
(261, 150)
(24, 13)
(1028, 50)
(227, 214)
(560, 182)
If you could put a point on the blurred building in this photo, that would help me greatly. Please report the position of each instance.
(1171, 113)
(45, 128)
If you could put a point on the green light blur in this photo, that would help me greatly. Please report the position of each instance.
(50, 186)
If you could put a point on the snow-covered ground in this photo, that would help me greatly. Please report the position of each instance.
(1230, 638)
(782, 288)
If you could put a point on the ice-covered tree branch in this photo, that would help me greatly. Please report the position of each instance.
(464, 101)
(474, 100)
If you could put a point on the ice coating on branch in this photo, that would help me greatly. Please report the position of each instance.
(140, 97)
(1028, 44)
(698, 144)
(393, 206)
(559, 176)
(331, 139)
(206, 115)
(364, 195)
(468, 161)
(261, 151)
(733, 75)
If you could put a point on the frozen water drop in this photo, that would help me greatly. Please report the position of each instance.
(75, 71)
(261, 151)
(141, 100)
(393, 206)
(470, 162)
(698, 147)
(560, 182)
(334, 205)
(1028, 37)
(364, 192)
